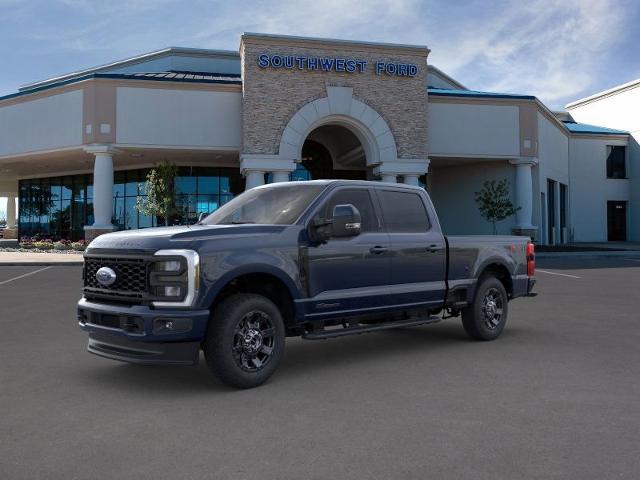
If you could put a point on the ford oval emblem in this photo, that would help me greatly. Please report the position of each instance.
(106, 276)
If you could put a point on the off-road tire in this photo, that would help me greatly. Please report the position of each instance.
(225, 333)
(477, 318)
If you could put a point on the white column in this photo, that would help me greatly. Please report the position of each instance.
(409, 169)
(280, 176)
(524, 191)
(253, 167)
(389, 178)
(253, 178)
(411, 180)
(11, 211)
(102, 186)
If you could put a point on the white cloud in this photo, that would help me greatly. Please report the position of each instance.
(543, 47)
(548, 48)
(554, 49)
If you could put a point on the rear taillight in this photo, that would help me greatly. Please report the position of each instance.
(531, 260)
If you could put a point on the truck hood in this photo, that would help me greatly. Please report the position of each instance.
(176, 237)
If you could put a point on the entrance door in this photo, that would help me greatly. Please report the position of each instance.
(543, 218)
(551, 212)
(617, 221)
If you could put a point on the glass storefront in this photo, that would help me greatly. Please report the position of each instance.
(60, 207)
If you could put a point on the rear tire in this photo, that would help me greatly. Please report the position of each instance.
(486, 317)
(245, 340)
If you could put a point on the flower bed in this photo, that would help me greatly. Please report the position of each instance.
(40, 245)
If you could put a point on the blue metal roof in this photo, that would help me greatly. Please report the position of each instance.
(444, 92)
(188, 77)
(575, 127)
(176, 75)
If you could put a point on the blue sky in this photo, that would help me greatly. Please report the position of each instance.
(557, 50)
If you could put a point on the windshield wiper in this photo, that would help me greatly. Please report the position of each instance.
(238, 222)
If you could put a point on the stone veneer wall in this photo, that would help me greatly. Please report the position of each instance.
(271, 96)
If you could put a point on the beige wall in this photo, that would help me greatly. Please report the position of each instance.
(170, 117)
(49, 122)
(459, 129)
(590, 189)
(272, 96)
(619, 110)
(452, 189)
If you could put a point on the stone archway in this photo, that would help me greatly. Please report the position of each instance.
(340, 108)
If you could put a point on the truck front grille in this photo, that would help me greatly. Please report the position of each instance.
(131, 283)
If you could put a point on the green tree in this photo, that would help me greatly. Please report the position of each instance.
(160, 199)
(494, 203)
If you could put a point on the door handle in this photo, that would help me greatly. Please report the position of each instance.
(433, 248)
(378, 249)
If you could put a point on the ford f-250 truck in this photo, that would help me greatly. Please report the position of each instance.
(315, 259)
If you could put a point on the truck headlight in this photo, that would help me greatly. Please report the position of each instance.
(175, 278)
(169, 266)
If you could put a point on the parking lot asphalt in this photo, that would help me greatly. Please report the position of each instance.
(555, 397)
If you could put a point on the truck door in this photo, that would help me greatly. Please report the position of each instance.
(418, 250)
(353, 273)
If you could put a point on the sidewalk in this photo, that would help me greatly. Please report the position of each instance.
(37, 259)
(609, 249)
(591, 253)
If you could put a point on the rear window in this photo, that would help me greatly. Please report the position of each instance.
(403, 212)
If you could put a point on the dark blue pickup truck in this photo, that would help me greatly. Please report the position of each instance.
(315, 259)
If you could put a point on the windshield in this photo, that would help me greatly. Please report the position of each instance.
(281, 205)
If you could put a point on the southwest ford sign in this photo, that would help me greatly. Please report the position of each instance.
(331, 64)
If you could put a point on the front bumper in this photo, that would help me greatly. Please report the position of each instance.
(139, 334)
(144, 353)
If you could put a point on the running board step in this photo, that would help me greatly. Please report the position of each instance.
(342, 332)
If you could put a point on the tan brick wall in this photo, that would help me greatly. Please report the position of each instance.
(271, 96)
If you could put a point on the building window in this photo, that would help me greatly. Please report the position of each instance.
(616, 161)
(60, 207)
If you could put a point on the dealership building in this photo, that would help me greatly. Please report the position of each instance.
(75, 149)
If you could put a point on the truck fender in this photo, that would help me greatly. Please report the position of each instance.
(490, 262)
(215, 288)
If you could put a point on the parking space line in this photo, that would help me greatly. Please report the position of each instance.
(25, 275)
(556, 273)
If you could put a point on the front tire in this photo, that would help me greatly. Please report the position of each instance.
(486, 317)
(245, 340)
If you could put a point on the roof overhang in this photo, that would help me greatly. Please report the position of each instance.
(145, 57)
(605, 93)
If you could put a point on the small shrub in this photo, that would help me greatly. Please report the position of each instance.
(43, 245)
(80, 246)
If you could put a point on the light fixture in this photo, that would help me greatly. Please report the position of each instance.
(169, 266)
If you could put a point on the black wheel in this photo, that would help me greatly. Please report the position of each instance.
(485, 318)
(245, 340)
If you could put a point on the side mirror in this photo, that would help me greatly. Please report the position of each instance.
(202, 216)
(346, 221)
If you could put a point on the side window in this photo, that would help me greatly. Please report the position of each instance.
(403, 212)
(359, 198)
(616, 161)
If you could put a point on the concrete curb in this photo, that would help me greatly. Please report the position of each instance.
(613, 254)
(41, 264)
